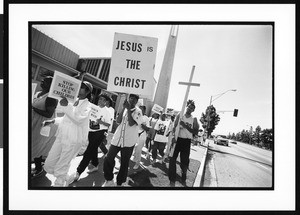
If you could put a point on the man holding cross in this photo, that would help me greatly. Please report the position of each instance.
(188, 126)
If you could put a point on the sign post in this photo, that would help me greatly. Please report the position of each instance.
(189, 84)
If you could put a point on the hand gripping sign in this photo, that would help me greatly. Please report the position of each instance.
(132, 64)
(64, 85)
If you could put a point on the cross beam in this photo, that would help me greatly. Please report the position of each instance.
(189, 84)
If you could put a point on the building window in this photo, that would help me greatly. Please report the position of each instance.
(44, 72)
(33, 70)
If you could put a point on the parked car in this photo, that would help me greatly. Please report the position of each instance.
(221, 140)
(233, 142)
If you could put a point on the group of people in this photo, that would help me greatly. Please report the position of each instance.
(60, 139)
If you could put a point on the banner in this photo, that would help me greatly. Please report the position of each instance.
(95, 112)
(157, 109)
(132, 64)
(64, 85)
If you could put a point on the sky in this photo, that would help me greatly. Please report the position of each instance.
(225, 57)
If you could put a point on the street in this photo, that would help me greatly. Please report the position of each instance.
(238, 165)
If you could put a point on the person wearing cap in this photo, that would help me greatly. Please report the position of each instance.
(96, 136)
(124, 139)
(73, 129)
(160, 138)
(43, 108)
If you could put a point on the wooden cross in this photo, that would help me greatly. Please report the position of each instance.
(189, 84)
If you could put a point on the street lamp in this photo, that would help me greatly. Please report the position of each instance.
(219, 95)
(211, 100)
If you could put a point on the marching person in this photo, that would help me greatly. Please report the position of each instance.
(143, 128)
(160, 138)
(151, 132)
(71, 135)
(43, 108)
(124, 139)
(188, 125)
(95, 137)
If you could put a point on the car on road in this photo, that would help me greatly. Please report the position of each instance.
(221, 140)
(233, 142)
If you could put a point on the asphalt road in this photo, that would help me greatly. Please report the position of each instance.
(238, 166)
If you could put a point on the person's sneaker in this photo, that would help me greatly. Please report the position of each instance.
(74, 177)
(59, 183)
(110, 183)
(37, 173)
(172, 183)
(136, 166)
(93, 169)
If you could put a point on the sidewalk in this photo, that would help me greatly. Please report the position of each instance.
(146, 176)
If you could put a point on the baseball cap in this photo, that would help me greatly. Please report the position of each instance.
(89, 85)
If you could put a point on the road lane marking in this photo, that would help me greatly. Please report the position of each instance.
(262, 165)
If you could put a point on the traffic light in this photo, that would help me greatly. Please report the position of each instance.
(235, 112)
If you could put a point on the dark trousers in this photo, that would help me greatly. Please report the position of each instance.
(148, 144)
(183, 147)
(109, 163)
(158, 146)
(91, 153)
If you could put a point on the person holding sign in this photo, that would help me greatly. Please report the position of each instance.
(71, 135)
(96, 136)
(188, 125)
(124, 139)
(43, 108)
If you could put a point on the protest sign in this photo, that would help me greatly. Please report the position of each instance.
(132, 64)
(95, 112)
(157, 109)
(64, 85)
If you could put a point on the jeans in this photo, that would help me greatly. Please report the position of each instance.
(91, 153)
(183, 147)
(109, 163)
(158, 146)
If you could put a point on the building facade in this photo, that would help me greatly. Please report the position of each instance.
(48, 55)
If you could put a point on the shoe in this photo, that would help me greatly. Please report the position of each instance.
(93, 169)
(37, 173)
(74, 177)
(59, 182)
(172, 183)
(136, 166)
(110, 183)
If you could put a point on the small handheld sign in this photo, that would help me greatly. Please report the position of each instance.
(64, 85)
(157, 109)
(132, 64)
(95, 112)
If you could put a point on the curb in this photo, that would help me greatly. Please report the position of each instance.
(200, 174)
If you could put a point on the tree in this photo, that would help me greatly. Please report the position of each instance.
(267, 138)
(209, 119)
(256, 135)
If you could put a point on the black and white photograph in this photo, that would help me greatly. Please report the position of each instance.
(183, 107)
(229, 142)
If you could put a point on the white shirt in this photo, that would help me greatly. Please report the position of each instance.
(125, 135)
(161, 128)
(146, 122)
(105, 117)
(184, 133)
(112, 116)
